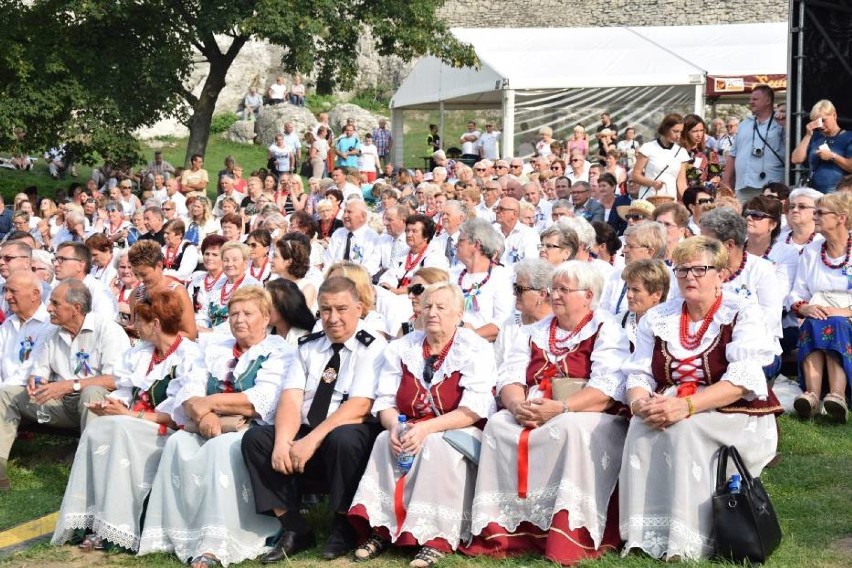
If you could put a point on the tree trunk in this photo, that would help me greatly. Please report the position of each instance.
(202, 113)
(202, 109)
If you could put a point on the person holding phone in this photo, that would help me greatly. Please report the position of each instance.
(826, 148)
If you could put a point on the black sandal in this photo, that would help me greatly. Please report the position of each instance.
(426, 558)
(372, 548)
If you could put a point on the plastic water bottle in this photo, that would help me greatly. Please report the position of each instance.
(735, 484)
(42, 415)
(404, 459)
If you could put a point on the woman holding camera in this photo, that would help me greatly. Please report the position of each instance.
(826, 148)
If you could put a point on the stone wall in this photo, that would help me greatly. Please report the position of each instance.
(582, 13)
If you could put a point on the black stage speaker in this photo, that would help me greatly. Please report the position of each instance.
(820, 63)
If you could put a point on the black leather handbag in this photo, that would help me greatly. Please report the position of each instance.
(744, 523)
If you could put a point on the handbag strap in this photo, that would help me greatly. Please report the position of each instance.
(747, 479)
(722, 469)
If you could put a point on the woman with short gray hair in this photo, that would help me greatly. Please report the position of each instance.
(801, 229)
(484, 283)
(748, 276)
(532, 303)
(645, 241)
(558, 244)
(555, 494)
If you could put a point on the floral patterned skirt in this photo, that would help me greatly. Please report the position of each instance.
(831, 334)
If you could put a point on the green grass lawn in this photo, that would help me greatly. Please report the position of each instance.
(810, 489)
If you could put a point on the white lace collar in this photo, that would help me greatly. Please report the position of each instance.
(664, 319)
(463, 348)
(539, 331)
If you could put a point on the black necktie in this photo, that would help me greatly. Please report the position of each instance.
(322, 397)
(348, 245)
(449, 250)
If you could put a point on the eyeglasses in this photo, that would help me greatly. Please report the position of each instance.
(9, 258)
(112, 209)
(61, 259)
(521, 289)
(706, 200)
(697, 271)
(90, 201)
(416, 289)
(823, 212)
(502, 167)
(517, 166)
(756, 215)
(126, 186)
(634, 217)
(555, 168)
(801, 206)
(549, 246)
(563, 291)
(479, 169)
(579, 191)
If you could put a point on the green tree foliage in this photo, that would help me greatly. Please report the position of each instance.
(92, 71)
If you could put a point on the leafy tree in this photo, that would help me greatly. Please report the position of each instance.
(92, 71)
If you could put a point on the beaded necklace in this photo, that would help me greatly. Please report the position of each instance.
(765, 253)
(553, 343)
(170, 256)
(692, 341)
(157, 360)
(739, 270)
(471, 293)
(427, 352)
(789, 239)
(262, 269)
(224, 295)
(208, 285)
(844, 264)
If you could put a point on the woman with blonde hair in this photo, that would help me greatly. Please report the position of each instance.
(826, 148)
(579, 141)
(201, 221)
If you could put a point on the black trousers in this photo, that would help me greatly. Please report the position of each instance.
(339, 461)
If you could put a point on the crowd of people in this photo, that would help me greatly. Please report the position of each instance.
(569, 338)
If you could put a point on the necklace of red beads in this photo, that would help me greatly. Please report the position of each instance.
(225, 295)
(209, 284)
(155, 360)
(260, 272)
(427, 352)
(553, 343)
(692, 341)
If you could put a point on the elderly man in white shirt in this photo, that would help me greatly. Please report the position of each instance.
(532, 195)
(519, 241)
(453, 215)
(74, 369)
(355, 241)
(392, 242)
(23, 333)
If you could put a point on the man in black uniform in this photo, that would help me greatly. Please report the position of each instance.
(322, 426)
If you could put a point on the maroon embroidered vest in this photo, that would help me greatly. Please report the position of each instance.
(714, 364)
(412, 400)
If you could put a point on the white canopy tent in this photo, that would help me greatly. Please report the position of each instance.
(565, 75)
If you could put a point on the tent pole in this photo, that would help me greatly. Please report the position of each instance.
(398, 133)
(441, 124)
(699, 97)
(507, 137)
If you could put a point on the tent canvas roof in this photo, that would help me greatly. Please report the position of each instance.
(562, 58)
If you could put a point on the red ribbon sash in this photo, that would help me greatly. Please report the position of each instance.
(398, 505)
(524, 462)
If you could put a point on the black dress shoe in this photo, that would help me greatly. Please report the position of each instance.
(288, 544)
(341, 541)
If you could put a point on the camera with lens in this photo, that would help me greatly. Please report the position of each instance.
(757, 152)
